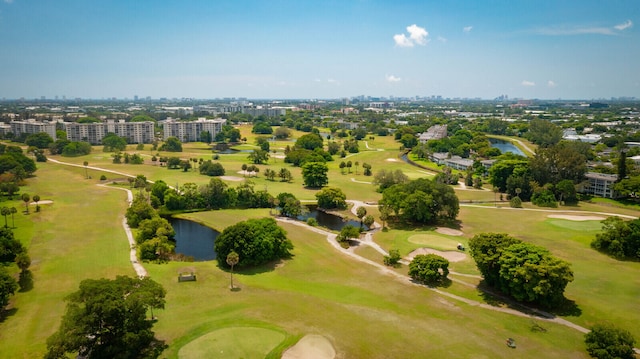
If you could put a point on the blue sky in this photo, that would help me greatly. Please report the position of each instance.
(319, 49)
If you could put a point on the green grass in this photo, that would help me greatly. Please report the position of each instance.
(363, 312)
(233, 342)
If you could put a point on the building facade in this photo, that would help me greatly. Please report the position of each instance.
(133, 132)
(189, 131)
(32, 126)
(600, 184)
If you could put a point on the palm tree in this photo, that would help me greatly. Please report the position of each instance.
(244, 169)
(86, 174)
(13, 211)
(356, 164)
(232, 259)
(36, 199)
(5, 211)
(26, 198)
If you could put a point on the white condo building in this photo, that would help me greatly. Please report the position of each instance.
(134, 132)
(189, 131)
(31, 126)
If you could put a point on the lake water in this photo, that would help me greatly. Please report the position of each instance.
(194, 239)
(505, 146)
(329, 220)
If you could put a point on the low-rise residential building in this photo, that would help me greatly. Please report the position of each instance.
(600, 184)
(189, 131)
(31, 126)
(455, 162)
(436, 132)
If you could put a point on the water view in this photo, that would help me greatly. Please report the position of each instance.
(194, 239)
(505, 146)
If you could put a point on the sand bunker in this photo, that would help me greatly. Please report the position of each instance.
(392, 159)
(576, 218)
(231, 178)
(449, 231)
(451, 256)
(311, 346)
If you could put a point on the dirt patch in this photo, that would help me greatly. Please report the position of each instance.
(231, 178)
(311, 346)
(449, 231)
(392, 160)
(451, 256)
(576, 218)
(45, 201)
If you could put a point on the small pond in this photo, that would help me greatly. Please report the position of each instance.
(505, 146)
(194, 239)
(329, 220)
(229, 151)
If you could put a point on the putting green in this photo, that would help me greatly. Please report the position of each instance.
(576, 225)
(236, 342)
(434, 241)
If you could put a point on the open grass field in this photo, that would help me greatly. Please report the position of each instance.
(364, 312)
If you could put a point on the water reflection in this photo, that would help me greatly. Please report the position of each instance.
(194, 239)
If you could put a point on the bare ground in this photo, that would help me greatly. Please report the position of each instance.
(576, 218)
(451, 256)
(311, 346)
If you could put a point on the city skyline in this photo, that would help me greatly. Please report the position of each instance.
(331, 49)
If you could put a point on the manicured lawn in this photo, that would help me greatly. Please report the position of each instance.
(365, 313)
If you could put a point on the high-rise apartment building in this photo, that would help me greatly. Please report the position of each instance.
(189, 131)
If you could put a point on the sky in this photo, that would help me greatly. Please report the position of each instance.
(298, 49)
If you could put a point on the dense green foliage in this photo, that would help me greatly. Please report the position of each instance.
(211, 168)
(108, 319)
(8, 287)
(422, 201)
(139, 210)
(620, 239)
(10, 247)
(526, 272)
(429, 268)
(331, 198)
(347, 232)
(314, 174)
(40, 140)
(262, 128)
(74, 149)
(544, 133)
(310, 141)
(155, 239)
(387, 178)
(13, 160)
(114, 143)
(606, 341)
(257, 241)
(171, 144)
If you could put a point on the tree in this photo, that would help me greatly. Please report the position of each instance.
(360, 213)
(290, 206)
(622, 166)
(367, 169)
(282, 133)
(139, 210)
(620, 239)
(256, 241)
(408, 140)
(212, 168)
(259, 156)
(171, 144)
(349, 165)
(486, 249)
(558, 162)
(262, 128)
(36, 199)
(285, 175)
(393, 258)
(606, 341)
(13, 211)
(315, 174)
(331, 198)
(309, 141)
(108, 319)
(5, 211)
(26, 198)
(23, 261)
(347, 232)
(544, 133)
(422, 200)
(529, 273)
(566, 190)
(85, 164)
(342, 167)
(429, 268)
(387, 178)
(113, 142)
(40, 140)
(205, 136)
(232, 260)
(368, 220)
(8, 287)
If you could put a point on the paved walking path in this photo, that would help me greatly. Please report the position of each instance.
(140, 270)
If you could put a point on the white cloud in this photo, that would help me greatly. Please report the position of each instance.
(527, 83)
(333, 81)
(8, 1)
(402, 41)
(417, 36)
(467, 29)
(625, 25)
(391, 78)
(442, 39)
(550, 83)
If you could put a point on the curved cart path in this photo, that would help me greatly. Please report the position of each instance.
(140, 270)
